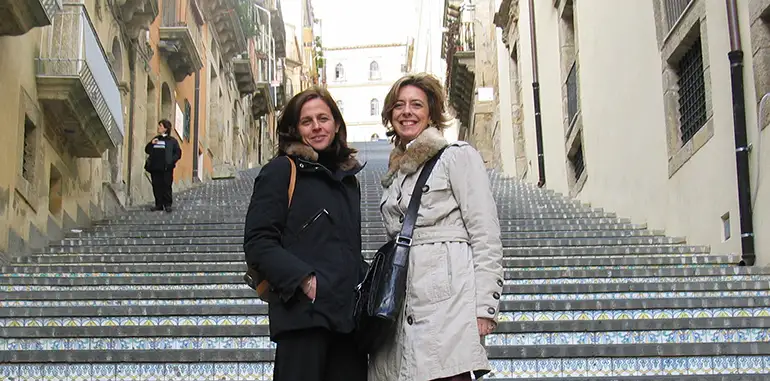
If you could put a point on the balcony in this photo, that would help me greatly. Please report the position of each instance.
(461, 58)
(138, 14)
(221, 15)
(262, 101)
(244, 75)
(180, 41)
(76, 85)
(20, 16)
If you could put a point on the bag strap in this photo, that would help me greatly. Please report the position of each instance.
(404, 239)
(292, 179)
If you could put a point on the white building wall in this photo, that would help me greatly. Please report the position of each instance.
(624, 131)
(356, 89)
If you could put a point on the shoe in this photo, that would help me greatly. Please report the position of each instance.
(156, 208)
(168, 209)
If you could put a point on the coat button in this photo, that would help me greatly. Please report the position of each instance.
(500, 282)
(491, 310)
(409, 320)
(496, 295)
(425, 188)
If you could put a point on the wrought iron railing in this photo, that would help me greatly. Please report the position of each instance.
(674, 9)
(51, 7)
(170, 20)
(71, 49)
(572, 93)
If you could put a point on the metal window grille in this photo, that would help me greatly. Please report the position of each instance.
(674, 9)
(572, 93)
(374, 107)
(28, 158)
(187, 112)
(578, 165)
(692, 92)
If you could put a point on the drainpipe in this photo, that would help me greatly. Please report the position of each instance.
(130, 130)
(196, 126)
(742, 148)
(536, 92)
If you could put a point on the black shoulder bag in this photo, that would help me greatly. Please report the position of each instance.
(380, 296)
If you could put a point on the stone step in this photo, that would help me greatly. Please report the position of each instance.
(367, 228)
(72, 237)
(526, 267)
(214, 253)
(369, 241)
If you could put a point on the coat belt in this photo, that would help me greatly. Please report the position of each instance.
(436, 234)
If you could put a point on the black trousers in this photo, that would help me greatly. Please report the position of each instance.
(318, 355)
(161, 187)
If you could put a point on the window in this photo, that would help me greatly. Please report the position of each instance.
(374, 107)
(692, 92)
(341, 106)
(28, 155)
(187, 112)
(339, 72)
(674, 9)
(374, 70)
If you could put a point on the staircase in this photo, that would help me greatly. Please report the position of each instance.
(588, 296)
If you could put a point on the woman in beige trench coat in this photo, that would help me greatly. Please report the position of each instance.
(455, 274)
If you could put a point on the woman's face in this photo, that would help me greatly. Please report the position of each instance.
(316, 124)
(161, 129)
(410, 115)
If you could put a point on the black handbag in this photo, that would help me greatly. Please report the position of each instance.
(380, 296)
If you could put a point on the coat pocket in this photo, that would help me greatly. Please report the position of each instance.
(433, 280)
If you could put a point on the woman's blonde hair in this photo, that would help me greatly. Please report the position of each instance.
(436, 101)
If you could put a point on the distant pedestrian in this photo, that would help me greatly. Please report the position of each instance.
(164, 152)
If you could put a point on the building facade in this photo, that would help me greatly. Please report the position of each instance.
(86, 82)
(628, 116)
(359, 78)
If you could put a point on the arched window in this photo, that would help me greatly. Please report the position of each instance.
(339, 72)
(374, 107)
(374, 70)
(341, 106)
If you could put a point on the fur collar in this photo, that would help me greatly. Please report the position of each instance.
(409, 160)
(308, 153)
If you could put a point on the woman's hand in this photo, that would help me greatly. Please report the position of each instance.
(486, 326)
(309, 287)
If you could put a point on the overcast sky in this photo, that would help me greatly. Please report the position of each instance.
(360, 22)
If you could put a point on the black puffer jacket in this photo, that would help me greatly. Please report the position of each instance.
(320, 234)
(164, 155)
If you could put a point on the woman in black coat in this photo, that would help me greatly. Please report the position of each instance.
(164, 152)
(310, 252)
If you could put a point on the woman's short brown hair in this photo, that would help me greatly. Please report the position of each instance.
(436, 101)
(289, 120)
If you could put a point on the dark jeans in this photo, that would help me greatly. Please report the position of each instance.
(318, 355)
(161, 187)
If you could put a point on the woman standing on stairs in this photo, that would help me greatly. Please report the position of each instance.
(455, 272)
(310, 251)
(164, 152)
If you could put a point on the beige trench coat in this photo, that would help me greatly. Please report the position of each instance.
(455, 270)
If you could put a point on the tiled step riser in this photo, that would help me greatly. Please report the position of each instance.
(513, 285)
(683, 337)
(239, 233)
(376, 225)
(234, 252)
(557, 266)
